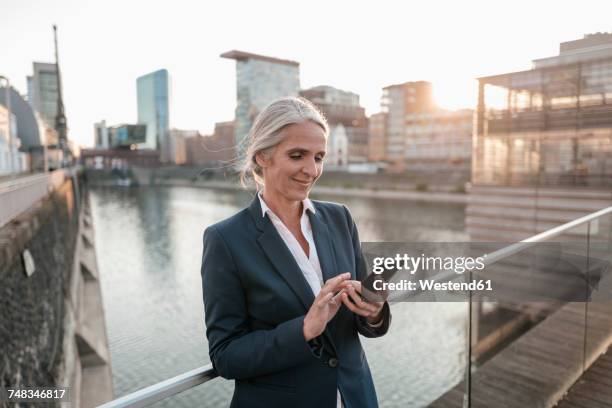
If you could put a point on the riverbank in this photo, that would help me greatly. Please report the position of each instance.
(391, 187)
(427, 196)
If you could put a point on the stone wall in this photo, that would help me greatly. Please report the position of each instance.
(32, 308)
(52, 330)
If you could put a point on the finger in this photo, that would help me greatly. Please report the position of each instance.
(332, 284)
(352, 283)
(321, 301)
(365, 295)
(356, 285)
(352, 307)
(338, 296)
(336, 299)
(358, 300)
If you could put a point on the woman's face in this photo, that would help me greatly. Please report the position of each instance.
(296, 163)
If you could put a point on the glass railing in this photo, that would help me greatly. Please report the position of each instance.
(598, 311)
(522, 344)
(560, 280)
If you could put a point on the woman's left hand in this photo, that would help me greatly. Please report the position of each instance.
(353, 300)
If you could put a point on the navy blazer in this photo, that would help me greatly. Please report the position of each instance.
(255, 300)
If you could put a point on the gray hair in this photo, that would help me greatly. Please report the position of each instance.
(265, 134)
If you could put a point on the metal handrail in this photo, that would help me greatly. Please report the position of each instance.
(543, 236)
(531, 241)
(164, 389)
(182, 382)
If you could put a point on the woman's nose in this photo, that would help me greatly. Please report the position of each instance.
(310, 168)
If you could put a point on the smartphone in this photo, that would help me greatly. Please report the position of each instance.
(368, 291)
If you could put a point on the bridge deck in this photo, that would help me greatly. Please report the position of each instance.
(539, 367)
(594, 389)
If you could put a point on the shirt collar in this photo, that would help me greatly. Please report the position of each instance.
(307, 205)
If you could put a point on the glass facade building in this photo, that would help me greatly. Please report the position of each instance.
(153, 111)
(43, 91)
(127, 135)
(542, 144)
(549, 126)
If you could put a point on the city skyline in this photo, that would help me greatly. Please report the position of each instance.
(377, 45)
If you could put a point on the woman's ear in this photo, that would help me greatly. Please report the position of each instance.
(261, 159)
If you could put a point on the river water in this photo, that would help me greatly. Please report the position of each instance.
(149, 246)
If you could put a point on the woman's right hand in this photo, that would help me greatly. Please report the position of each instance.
(325, 306)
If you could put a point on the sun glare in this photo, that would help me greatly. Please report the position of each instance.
(455, 94)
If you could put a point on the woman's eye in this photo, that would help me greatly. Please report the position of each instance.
(318, 158)
(296, 156)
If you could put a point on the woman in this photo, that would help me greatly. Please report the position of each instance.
(281, 278)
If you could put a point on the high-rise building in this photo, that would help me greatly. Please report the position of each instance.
(542, 143)
(154, 111)
(398, 101)
(259, 81)
(43, 91)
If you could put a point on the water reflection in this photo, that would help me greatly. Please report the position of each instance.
(149, 243)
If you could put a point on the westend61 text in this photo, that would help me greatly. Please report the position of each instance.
(426, 285)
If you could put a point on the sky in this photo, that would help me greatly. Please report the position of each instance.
(359, 46)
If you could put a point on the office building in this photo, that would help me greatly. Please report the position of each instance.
(543, 140)
(551, 124)
(127, 135)
(439, 141)
(421, 137)
(399, 101)
(119, 136)
(216, 151)
(259, 81)
(153, 92)
(43, 91)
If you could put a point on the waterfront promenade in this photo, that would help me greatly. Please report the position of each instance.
(165, 225)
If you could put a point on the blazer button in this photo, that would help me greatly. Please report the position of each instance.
(333, 362)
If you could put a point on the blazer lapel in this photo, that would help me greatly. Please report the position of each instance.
(325, 251)
(324, 245)
(280, 256)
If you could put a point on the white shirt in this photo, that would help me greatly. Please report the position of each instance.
(309, 265)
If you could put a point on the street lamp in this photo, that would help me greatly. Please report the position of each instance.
(7, 93)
